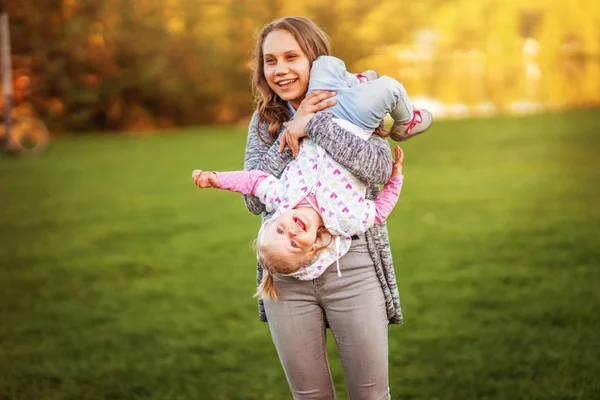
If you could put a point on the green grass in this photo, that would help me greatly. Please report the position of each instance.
(121, 280)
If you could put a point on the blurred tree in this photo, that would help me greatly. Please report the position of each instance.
(144, 64)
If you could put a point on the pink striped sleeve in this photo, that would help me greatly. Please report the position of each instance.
(387, 199)
(244, 182)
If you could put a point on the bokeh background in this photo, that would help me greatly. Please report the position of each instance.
(119, 279)
(140, 65)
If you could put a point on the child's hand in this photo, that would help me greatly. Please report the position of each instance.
(397, 167)
(204, 179)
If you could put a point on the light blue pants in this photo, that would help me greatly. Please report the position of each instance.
(364, 104)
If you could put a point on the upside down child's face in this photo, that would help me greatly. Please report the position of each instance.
(294, 233)
(286, 67)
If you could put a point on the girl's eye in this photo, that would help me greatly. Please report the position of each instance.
(280, 231)
(292, 56)
(269, 61)
(294, 244)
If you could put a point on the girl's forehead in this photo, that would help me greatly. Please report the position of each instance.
(272, 225)
(280, 41)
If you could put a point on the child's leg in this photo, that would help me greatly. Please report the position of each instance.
(408, 121)
(401, 109)
(327, 73)
(351, 79)
(363, 77)
(365, 105)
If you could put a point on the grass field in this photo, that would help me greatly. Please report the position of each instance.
(121, 280)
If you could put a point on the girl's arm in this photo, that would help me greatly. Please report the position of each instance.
(266, 187)
(244, 182)
(262, 156)
(370, 160)
(387, 199)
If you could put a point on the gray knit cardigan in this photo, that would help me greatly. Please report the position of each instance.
(369, 160)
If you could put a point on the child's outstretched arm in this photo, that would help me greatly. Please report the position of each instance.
(387, 199)
(244, 182)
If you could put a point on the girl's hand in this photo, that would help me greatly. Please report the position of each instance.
(294, 131)
(397, 167)
(314, 102)
(204, 179)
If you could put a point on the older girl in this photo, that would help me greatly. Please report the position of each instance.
(358, 305)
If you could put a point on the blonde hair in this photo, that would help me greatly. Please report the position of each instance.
(273, 263)
(312, 41)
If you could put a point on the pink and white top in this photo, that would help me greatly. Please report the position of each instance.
(326, 185)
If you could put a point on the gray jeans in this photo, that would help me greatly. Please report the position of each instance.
(354, 307)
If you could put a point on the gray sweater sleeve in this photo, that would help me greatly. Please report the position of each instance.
(370, 160)
(263, 156)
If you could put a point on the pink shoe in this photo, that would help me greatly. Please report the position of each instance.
(368, 75)
(420, 122)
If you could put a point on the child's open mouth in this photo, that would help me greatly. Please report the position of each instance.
(300, 224)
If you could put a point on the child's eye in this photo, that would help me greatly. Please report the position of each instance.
(294, 244)
(269, 61)
(279, 231)
(292, 56)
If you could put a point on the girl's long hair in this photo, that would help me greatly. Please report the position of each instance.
(273, 264)
(312, 41)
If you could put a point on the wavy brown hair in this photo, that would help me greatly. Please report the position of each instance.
(312, 41)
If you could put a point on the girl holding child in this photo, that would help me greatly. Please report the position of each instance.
(359, 303)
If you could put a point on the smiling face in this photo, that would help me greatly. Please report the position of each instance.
(293, 235)
(286, 67)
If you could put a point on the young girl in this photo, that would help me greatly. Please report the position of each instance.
(317, 206)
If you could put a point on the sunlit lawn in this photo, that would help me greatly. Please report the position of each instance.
(121, 280)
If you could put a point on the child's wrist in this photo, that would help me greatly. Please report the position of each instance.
(215, 178)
